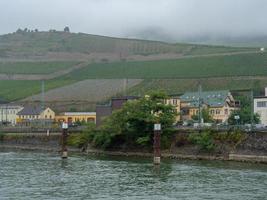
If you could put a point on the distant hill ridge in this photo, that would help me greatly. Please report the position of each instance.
(33, 45)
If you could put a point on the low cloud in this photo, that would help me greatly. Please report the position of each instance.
(176, 19)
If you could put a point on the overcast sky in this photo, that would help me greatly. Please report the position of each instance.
(177, 18)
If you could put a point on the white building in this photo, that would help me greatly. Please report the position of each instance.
(8, 113)
(260, 107)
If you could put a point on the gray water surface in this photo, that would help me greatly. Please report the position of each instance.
(28, 175)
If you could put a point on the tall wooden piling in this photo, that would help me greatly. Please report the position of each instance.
(157, 134)
(64, 150)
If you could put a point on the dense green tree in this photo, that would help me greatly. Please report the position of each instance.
(244, 112)
(133, 124)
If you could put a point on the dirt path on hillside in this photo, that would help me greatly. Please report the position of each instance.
(129, 58)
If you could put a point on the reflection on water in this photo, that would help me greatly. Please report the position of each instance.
(27, 175)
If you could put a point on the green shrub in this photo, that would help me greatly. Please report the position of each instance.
(143, 141)
(181, 140)
(230, 137)
(2, 136)
(204, 140)
(102, 140)
(82, 139)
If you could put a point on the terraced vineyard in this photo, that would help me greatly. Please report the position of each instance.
(254, 64)
(34, 67)
(28, 57)
(179, 86)
(11, 90)
(26, 44)
(88, 90)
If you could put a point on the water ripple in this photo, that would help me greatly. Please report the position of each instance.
(27, 175)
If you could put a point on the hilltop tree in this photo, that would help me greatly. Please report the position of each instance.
(67, 29)
(19, 31)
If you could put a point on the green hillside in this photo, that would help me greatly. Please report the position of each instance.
(40, 43)
(215, 66)
(173, 76)
(178, 86)
(33, 67)
(27, 53)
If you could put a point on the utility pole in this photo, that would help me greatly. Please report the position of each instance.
(252, 109)
(199, 104)
(43, 91)
(125, 86)
(156, 145)
(6, 114)
(42, 102)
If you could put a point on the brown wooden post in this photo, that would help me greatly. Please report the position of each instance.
(157, 133)
(64, 149)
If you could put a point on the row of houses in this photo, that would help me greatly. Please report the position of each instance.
(220, 105)
(30, 115)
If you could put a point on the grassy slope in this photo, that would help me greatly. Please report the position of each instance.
(178, 86)
(43, 42)
(34, 67)
(215, 66)
(14, 90)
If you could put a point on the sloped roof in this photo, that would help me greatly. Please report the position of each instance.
(31, 110)
(78, 113)
(210, 98)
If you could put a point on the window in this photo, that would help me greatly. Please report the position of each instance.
(217, 111)
(174, 101)
(212, 112)
(261, 104)
(226, 111)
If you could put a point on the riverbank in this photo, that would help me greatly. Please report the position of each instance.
(230, 157)
(251, 150)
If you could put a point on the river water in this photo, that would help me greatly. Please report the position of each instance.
(28, 175)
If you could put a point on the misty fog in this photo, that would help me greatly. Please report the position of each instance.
(171, 20)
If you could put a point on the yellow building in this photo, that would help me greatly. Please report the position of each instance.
(175, 101)
(35, 113)
(220, 104)
(76, 117)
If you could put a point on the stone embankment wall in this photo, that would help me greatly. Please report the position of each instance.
(252, 149)
(32, 141)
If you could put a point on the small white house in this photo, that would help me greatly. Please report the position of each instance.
(262, 49)
(8, 113)
(260, 107)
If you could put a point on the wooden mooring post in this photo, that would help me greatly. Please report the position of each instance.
(64, 150)
(157, 134)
